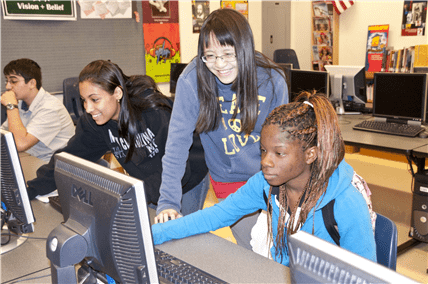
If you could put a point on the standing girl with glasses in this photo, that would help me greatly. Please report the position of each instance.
(225, 94)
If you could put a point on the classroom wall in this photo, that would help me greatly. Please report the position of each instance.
(189, 40)
(63, 48)
(353, 25)
(352, 37)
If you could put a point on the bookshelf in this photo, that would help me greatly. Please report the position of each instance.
(325, 35)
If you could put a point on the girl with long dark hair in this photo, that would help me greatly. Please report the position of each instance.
(129, 117)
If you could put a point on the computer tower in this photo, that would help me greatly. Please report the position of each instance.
(419, 222)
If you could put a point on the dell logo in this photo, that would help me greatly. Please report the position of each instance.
(81, 194)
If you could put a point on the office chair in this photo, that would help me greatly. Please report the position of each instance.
(286, 56)
(386, 236)
(71, 97)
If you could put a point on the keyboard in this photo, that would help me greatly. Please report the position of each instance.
(174, 270)
(389, 128)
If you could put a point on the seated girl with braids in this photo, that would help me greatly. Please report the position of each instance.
(303, 169)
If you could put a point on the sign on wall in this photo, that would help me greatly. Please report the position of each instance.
(39, 10)
(90, 9)
(414, 18)
(200, 11)
(161, 38)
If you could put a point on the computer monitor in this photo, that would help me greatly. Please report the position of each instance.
(16, 206)
(400, 96)
(308, 80)
(314, 260)
(106, 224)
(347, 83)
(176, 69)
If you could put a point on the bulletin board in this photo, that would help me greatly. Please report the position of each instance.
(63, 48)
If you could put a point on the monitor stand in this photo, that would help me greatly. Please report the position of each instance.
(337, 95)
(14, 242)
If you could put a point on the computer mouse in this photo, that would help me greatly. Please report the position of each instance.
(423, 134)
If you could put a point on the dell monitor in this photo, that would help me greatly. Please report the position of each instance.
(307, 80)
(314, 260)
(176, 69)
(16, 207)
(106, 224)
(348, 83)
(400, 97)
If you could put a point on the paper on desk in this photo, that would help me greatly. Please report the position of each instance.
(45, 198)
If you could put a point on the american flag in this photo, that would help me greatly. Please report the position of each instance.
(341, 6)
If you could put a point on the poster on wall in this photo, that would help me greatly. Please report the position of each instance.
(37, 10)
(240, 6)
(200, 11)
(161, 38)
(377, 41)
(90, 9)
(414, 18)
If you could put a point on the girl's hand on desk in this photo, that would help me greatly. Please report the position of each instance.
(166, 215)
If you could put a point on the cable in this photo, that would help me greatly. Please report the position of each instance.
(22, 236)
(20, 278)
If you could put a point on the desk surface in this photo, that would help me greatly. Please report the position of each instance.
(421, 151)
(376, 141)
(213, 254)
(29, 165)
(209, 252)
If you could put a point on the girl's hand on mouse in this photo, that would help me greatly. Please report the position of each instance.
(166, 215)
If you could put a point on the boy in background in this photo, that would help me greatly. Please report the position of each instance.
(40, 123)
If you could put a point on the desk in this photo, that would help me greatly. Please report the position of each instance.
(209, 252)
(29, 165)
(414, 148)
(376, 141)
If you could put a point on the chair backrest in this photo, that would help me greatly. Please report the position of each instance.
(286, 56)
(386, 241)
(3, 114)
(71, 97)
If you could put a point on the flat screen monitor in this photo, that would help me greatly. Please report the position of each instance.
(307, 80)
(176, 69)
(106, 224)
(17, 211)
(400, 96)
(314, 260)
(347, 83)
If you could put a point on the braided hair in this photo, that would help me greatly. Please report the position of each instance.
(312, 120)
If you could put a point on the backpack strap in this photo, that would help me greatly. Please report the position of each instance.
(330, 222)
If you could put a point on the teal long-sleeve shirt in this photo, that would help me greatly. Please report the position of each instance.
(350, 211)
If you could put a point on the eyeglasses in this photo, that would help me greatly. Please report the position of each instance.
(211, 58)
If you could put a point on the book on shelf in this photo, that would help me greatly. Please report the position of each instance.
(392, 61)
(421, 55)
(408, 59)
(398, 61)
(377, 40)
